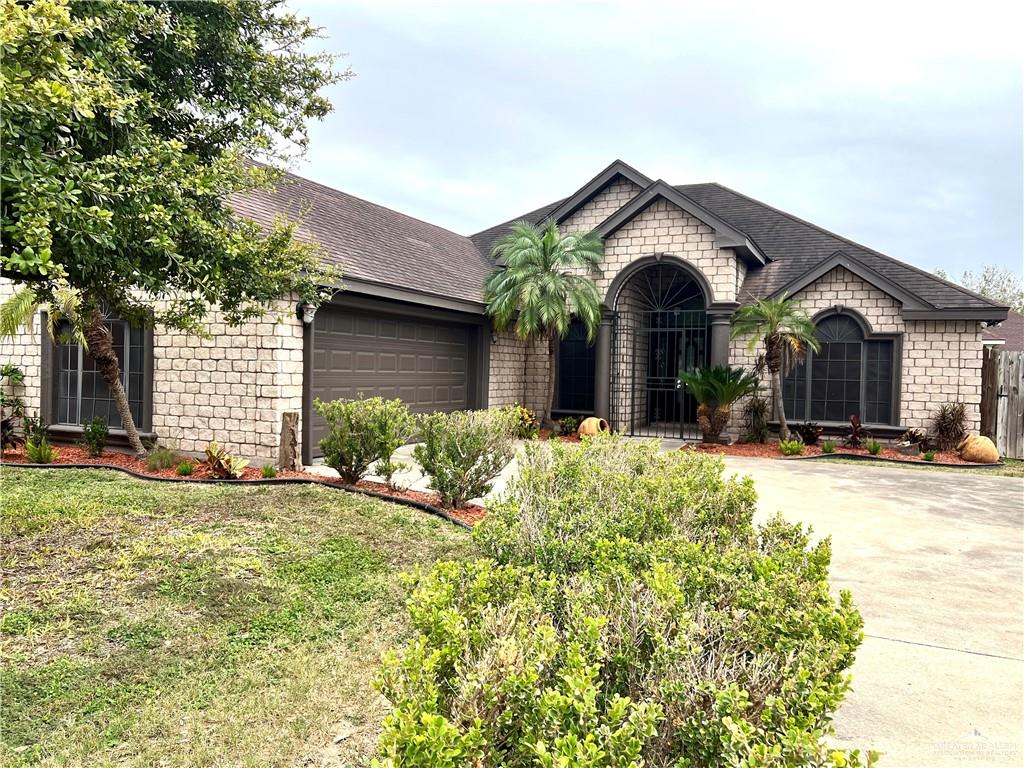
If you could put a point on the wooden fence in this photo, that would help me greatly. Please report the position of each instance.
(1002, 400)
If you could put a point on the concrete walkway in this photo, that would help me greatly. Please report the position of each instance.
(935, 562)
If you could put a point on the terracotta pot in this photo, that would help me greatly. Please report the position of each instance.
(592, 426)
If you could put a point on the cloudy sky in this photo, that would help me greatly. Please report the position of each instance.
(898, 128)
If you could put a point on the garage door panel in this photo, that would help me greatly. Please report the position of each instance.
(423, 363)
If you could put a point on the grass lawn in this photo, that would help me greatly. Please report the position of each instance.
(1012, 468)
(173, 625)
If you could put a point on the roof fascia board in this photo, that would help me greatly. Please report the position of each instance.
(381, 291)
(586, 193)
(988, 314)
(726, 236)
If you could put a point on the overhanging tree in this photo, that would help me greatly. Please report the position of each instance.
(779, 325)
(545, 282)
(125, 130)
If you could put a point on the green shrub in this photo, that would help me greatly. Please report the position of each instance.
(828, 446)
(464, 451)
(567, 425)
(874, 447)
(36, 429)
(186, 468)
(627, 612)
(363, 432)
(524, 421)
(793, 447)
(949, 425)
(268, 471)
(94, 436)
(222, 464)
(40, 452)
(929, 455)
(162, 457)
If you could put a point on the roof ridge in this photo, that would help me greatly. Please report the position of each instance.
(854, 243)
(305, 180)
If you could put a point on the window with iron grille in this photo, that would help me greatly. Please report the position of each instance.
(850, 374)
(575, 388)
(82, 393)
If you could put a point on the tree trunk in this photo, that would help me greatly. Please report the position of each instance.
(547, 421)
(780, 407)
(101, 349)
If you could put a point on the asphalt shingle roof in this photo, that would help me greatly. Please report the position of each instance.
(371, 242)
(1010, 331)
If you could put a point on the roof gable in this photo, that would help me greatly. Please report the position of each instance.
(726, 235)
(586, 193)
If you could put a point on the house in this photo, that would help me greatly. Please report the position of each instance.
(410, 323)
(1007, 336)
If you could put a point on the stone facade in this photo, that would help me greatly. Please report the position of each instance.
(940, 360)
(231, 387)
(601, 206)
(518, 372)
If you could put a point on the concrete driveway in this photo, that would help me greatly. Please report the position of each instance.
(935, 562)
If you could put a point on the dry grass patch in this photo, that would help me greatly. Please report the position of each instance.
(188, 625)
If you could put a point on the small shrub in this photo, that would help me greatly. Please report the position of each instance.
(186, 468)
(94, 436)
(36, 429)
(809, 432)
(949, 425)
(856, 435)
(222, 464)
(9, 437)
(162, 457)
(874, 447)
(268, 471)
(929, 455)
(756, 412)
(40, 452)
(524, 422)
(11, 376)
(364, 432)
(463, 451)
(828, 446)
(793, 447)
(567, 425)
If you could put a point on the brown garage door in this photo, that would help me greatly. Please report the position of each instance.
(424, 363)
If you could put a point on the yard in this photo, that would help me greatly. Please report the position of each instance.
(160, 624)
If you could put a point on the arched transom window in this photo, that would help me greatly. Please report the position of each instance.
(851, 374)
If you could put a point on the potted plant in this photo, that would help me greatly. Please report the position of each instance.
(715, 390)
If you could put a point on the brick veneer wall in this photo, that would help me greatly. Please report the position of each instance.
(232, 387)
(940, 359)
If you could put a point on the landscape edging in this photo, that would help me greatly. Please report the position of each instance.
(907, 462)
(420, 505)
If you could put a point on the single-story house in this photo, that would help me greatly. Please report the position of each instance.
(1007, 336)
(410, 323)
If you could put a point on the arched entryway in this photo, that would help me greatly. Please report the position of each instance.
(660, 327)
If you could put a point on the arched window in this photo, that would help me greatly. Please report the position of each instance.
(851, 374)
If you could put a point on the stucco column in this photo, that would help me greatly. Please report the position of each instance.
(603, 368)
(720, 320)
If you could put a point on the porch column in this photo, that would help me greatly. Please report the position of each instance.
(603, 368)
(720, 320)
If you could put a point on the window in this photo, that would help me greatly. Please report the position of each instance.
(850, 374)
(575, 389)
(82, 394)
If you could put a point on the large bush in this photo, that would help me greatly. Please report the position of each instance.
(627, 613)
(464, 451)
(362, 432)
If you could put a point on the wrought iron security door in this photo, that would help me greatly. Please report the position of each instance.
(660, 329)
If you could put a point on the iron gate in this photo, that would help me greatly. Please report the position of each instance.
(649, 349)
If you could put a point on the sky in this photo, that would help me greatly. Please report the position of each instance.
(896, 125)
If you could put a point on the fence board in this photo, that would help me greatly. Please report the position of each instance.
(1002, 401)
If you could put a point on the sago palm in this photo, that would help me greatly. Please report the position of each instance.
(544, 283)
(779, 325)
(88, 328)
(716, 389)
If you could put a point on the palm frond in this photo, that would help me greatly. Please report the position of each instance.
(18, 311)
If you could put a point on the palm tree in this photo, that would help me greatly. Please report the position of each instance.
(543, 284)
(780, 325)
(716, 389)
(88, 328)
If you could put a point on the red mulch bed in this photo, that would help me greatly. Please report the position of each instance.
(771, 451)
(470, 514)
(547, 434)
